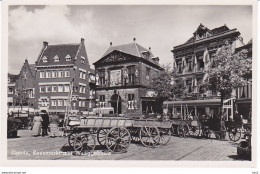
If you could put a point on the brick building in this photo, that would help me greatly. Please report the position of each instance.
(122, 75)
(62, 71)
(190, 62)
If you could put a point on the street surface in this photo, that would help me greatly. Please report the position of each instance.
(26, 147)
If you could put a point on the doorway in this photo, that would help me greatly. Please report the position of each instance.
(116, 103)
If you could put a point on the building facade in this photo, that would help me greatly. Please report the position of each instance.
(122, 76)
(191, 59)
(62, 73)
(11, 90)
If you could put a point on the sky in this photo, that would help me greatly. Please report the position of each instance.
(159, 27)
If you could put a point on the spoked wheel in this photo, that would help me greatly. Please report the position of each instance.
(194, 131)
(165, 136)
(84, 141)
(118, 140)
(101, 136)
(134, 134)
(149, 136)
(234, 134)
(71, 138)
(183, 129)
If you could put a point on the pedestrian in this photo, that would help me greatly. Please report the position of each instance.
(36, 125)
(45, 122)
(54, 129)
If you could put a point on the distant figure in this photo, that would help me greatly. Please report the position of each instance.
(45, 122)
(237, 118)
(54, 129)
(36, 125)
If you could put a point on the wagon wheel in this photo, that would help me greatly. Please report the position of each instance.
(84, 141)
(118, 140)
(134, 134)
(149, 136)
(234, 134)
(194, 131)
(101, 136)
(183, 129)
(71, 138)
(165, 136)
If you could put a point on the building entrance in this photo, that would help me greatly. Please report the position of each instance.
(116, 103)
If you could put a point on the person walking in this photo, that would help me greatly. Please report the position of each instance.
(36, 125)
(54, 129)
(45, 123)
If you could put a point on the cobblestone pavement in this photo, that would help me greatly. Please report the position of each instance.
(26, 147)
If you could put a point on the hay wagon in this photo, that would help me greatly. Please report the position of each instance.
(186, 127)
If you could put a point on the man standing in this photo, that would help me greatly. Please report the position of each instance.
(45, 123)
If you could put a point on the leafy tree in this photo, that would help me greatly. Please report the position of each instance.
(21, 98)
(227, 72)
(166, 86)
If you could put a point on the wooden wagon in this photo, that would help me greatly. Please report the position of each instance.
(186, 127)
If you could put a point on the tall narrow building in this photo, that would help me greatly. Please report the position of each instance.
(61, 69)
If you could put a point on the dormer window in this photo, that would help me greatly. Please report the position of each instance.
(68, 58)
(56, 59)
(44, 59)
(146, 54)
(82, 59)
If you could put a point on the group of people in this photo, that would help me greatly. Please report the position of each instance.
(42, 122)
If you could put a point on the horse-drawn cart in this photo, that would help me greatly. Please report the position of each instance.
(116, 133)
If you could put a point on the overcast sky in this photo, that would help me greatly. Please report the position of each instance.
(158, 27)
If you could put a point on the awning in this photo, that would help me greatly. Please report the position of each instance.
(208, 102)
(244, 100)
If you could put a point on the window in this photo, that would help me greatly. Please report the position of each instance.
(10, 91)
(82, 60)
(54, 88)
(44, 59)
(83, 103)
(61, 74)
(42, 74)
(56, 59)
(131, 75)
(102, 77)
(68, 58)
(54, 74)
(60, 102)
(42, 88)
(67, 73)
(83, 89)
(102, 100)
(188, 84)
(53, 102)
(31, 93)
(9, 80)
(44, 102)
(48, 74)
(66, 88)
(60, 88)
(48, 88)
(83, 75)
(148, 73)
(130, 101)
(189, 64)
(79, 103)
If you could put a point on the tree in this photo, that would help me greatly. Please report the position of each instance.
(21, 98)
(166, 86)
(227, 72)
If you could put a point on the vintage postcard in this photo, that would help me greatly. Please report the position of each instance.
(166, 84)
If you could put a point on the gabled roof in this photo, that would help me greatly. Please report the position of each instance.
(212, 32)
(131, 48)
(61, 51)
(32, 67)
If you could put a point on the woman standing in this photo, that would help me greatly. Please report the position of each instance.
(37, 122)
(54, 121)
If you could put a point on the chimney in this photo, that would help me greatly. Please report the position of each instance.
(134, 39)
(45, 44)
(156, 60)
(111, 44)
(82, 40)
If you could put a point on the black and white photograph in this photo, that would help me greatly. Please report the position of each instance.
(129, 82)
